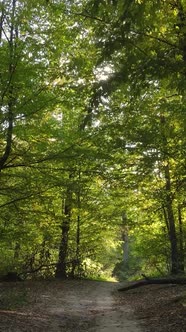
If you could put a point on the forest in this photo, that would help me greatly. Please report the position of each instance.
(92, 138)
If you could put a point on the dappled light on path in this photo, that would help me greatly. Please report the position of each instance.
(78, 306)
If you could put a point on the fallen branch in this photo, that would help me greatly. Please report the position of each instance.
(37, 269)
(159, 281)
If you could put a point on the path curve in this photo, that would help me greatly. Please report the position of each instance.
(69, 306)
(92, 306)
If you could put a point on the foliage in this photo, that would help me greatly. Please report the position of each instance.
(92, 125)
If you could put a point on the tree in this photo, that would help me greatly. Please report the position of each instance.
(29, 100)
(93, 129)
(148, 70)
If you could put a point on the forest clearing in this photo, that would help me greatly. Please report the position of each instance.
(84, 305)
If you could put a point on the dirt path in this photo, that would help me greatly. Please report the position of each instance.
(79, 306)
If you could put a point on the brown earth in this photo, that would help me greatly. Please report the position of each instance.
(158, 308)
(90, 306)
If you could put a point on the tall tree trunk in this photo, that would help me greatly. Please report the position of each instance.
(181, 239)
(61, 268)
(75, 271)
(166, 218)
(2, 19)
(78, 224)
(175, 268)
(78, 244)
(168, 201)
(125, 238)
(8, 92)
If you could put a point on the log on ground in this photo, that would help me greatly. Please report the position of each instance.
(153, 281)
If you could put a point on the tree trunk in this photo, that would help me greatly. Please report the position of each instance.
(75, 271)
(175, 268)
(125, 239)
(2, 19)
(168, 212)
(61, 268)
(8, 93)
(181, 239)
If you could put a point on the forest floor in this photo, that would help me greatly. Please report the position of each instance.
(83, 306)
(158, 308)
